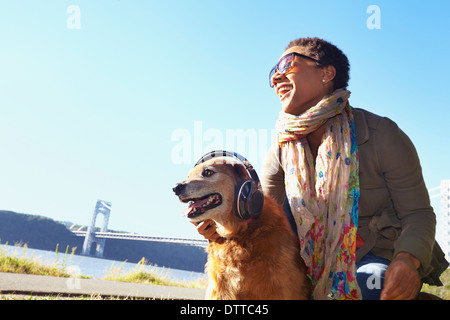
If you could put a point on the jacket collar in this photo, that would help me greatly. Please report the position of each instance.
(361, 128)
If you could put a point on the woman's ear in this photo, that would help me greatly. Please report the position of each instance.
(328, 74)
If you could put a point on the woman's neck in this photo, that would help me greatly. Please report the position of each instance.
(315, 139)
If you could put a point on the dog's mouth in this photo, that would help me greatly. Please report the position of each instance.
(198, 206)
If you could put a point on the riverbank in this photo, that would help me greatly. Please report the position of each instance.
(26, 286)
(23, 278)
(67, 265)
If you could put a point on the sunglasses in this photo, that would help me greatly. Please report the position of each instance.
(285, 65)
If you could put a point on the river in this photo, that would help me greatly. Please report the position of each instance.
(97, 268)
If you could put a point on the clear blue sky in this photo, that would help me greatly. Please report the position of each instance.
(121, 108)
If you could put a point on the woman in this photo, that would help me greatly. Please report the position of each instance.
(352, 182)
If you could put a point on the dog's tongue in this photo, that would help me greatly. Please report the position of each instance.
(187, 211)
(197, 204)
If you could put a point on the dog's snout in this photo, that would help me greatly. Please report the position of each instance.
(179, 187)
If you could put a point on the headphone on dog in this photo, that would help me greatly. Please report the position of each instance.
(248, 194)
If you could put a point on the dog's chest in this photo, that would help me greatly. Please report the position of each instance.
(226, 269)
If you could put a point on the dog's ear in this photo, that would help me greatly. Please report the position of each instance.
(240, 172)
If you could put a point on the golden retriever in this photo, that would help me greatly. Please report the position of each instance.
(254, 259)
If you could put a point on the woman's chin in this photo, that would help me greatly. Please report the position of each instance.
(294, 110)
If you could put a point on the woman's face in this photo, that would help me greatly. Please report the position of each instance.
(304, 85)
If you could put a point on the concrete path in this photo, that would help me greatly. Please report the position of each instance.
(44, 285)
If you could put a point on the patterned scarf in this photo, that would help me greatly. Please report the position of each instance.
(324, 196)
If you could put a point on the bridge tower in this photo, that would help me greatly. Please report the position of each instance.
(445, 217)
(103, 208)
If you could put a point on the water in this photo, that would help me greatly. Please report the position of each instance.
(95, 267)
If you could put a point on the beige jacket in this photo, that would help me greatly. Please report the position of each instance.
(394, 207)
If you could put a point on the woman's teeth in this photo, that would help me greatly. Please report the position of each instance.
(283, 90)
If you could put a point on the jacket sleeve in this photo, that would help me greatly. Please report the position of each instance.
(272, 175)
(402, 172)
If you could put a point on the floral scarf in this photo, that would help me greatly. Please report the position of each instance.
(323, 193)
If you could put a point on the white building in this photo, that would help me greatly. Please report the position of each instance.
(444, 220)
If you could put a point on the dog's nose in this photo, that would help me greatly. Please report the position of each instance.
(178, 188)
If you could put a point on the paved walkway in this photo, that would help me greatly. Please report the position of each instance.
(44, 285)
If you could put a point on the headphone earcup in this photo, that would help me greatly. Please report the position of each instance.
(241, 195)
(247, 204)
(255, 203)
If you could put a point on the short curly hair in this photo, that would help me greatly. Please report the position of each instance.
(327, 54)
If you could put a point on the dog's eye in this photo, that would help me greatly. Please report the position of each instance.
(207, 173)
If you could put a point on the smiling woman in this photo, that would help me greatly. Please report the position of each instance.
(342, 170)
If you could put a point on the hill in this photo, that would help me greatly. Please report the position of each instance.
(37, 232)
(43, 233)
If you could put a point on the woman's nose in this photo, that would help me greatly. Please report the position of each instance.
(276, 78)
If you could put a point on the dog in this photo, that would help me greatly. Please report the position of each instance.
(255, 258)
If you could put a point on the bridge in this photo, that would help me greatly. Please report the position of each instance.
(133, 236)
(94, 242)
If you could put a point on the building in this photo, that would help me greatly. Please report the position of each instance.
(444, 220)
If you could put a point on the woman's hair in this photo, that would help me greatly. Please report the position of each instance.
(327, 54)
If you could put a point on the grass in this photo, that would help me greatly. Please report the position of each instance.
(63, 297)
(141, 274)
(442, 292)
(15, 264)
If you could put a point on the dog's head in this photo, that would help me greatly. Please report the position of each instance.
(209, 191)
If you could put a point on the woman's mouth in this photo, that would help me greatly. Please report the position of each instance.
(283, 91)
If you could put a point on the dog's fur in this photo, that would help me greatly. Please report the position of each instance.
(257, 259)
